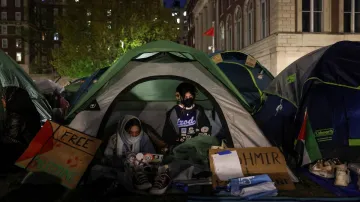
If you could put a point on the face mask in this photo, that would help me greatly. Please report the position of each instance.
(188, 102)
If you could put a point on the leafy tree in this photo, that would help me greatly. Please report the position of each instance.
(95, 33)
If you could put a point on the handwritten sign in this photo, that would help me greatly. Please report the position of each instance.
(250, 61)
(60, 151)
(256, 161)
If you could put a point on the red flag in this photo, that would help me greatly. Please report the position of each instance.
(210, 32)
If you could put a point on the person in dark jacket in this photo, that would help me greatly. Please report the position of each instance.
(186, 119)
(22, 122)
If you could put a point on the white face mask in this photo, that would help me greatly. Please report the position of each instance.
(133, 139)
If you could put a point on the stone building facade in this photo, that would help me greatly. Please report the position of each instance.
(276, 32)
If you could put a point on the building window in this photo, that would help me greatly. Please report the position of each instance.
(18, 3)
(3, 3)
(56, 11)
(88, 13)
(56, 36)
(4, 43)
(250, 22)
(221, 4)
(44, 60)
(109, 25)
(222, 36)
(18, 57)
(18, 30)
(64, 11)
(18, 43)
(351, 16)
(312, 15)
(3, 15)
(4, 29)
(229, 36)
(238, 28)
(18, 16)
(263, 19)
(108, 12)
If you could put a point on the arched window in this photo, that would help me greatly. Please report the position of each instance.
(229, 36)
(222, 36)
(238, 27)
(250, 22)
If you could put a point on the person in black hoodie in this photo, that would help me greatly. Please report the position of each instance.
(21, 124)
(186, 119)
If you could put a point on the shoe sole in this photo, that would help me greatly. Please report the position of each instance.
(324, 175)
(143, 186)
(158, 191)
(341, 184)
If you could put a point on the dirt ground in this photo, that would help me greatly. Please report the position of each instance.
(10, 191)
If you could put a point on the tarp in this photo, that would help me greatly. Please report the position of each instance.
(47, 86)
(11, 74)
(246, 73)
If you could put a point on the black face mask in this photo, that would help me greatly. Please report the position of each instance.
(188, 102)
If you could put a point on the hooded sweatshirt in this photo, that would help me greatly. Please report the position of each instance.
(122, 142)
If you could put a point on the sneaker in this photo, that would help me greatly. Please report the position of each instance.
(322, 169)
(342, 176)
(141, 181)
(162, 182)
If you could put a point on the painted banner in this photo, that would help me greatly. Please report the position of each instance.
(61, 152)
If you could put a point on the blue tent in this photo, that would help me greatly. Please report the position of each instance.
(317, 95)
(87, 83)
(246, 73)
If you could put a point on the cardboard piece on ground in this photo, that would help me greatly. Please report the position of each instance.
(61, 152)
(256, 161)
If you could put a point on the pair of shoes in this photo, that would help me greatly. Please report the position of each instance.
(325, 169)
(161, 183)
(342, 175)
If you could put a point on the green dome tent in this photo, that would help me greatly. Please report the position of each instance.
(142, 83)
(11, 74)
(247, 75)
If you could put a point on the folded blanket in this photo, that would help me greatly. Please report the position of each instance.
(195, 149)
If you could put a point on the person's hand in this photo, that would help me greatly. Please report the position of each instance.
(164, 150)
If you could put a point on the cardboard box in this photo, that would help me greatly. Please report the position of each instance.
(61, 152)
(256, 161)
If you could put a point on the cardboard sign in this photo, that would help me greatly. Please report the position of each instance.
(256, 161)
(217, 58)
(250, 61)
(59, 151)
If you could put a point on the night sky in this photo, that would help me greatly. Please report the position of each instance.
(169, 3)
